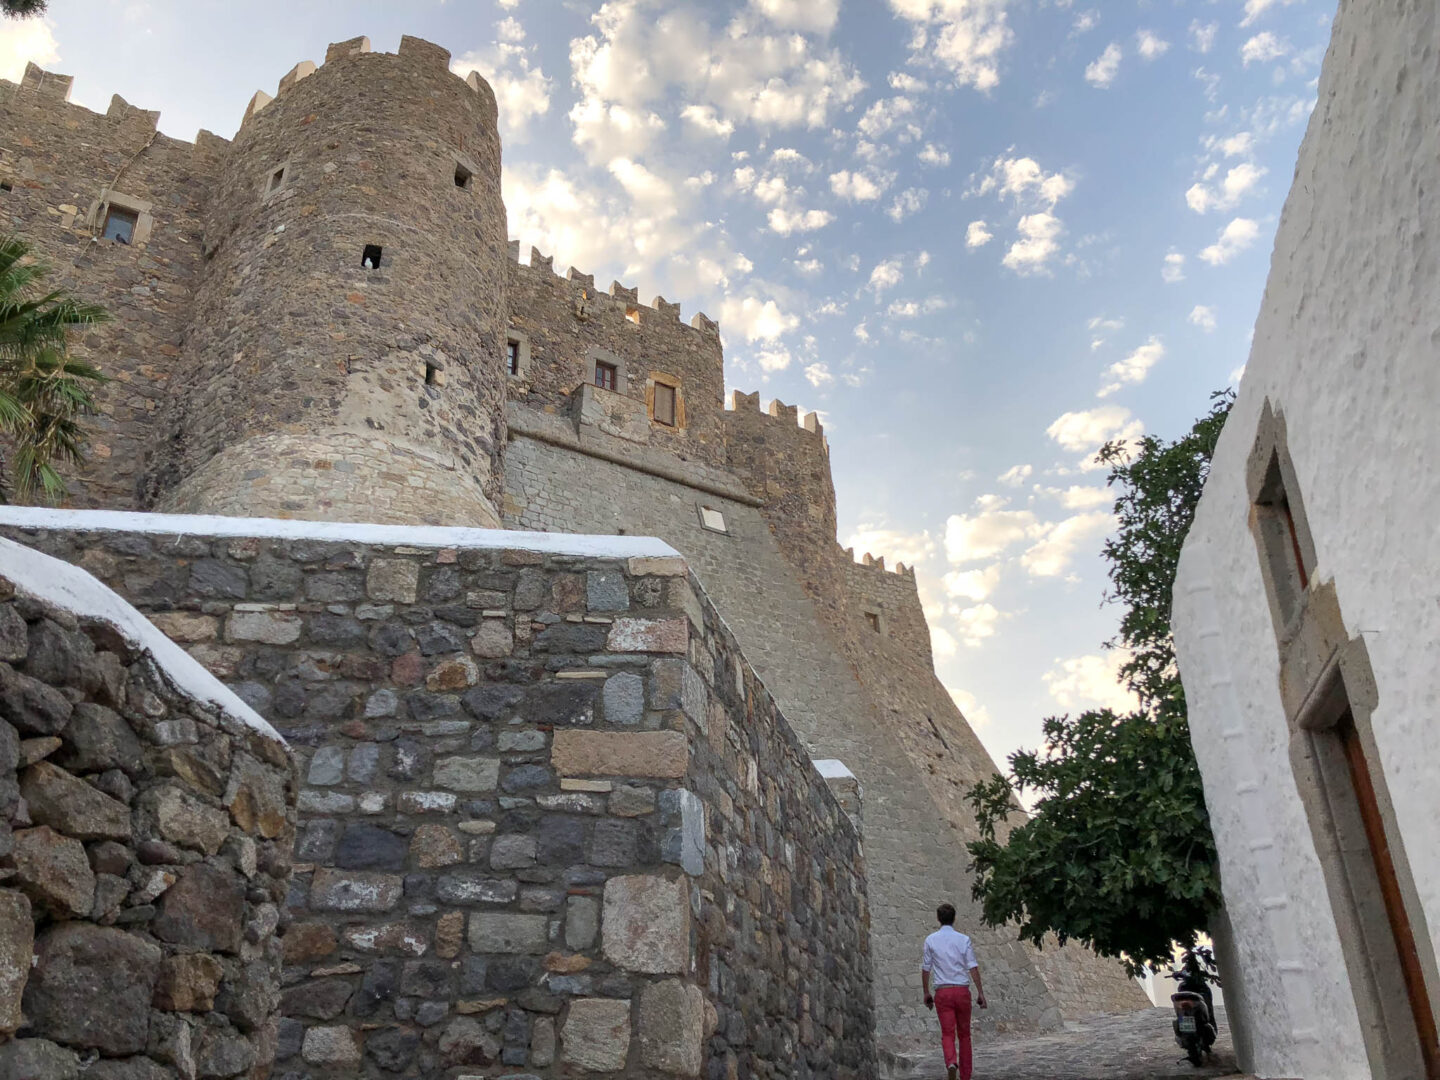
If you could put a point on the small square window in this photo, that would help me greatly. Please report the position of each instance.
(512, 357)
(434, 375)
(120, 225)
(277, 178)
(664, 404)
(5, 185)
(370, 257)
(606, 375)
(462, 175)
(872, 620)
(632, 314)
(712, 519)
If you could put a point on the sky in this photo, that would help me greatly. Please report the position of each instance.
(979, 237)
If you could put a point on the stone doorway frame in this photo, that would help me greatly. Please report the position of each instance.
(1329, 693)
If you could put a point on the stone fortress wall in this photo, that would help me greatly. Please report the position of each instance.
(146, 827)
(842, 647)
(551, 820)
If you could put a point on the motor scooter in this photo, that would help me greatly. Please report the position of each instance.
(1194, 1025)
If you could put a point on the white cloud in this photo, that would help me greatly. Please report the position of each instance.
(522, 92)
(26, 41)
(1085, 22)
(1026, 181)
(884, 114)
(977, 623)
(942, 642)
(1237, 145)
(642, 185)
(755, 319)
(859, 186)
(930, 154)
(906, 83)
(814, 15)
(644, 56)
(704, 119)
(1016, 475)
(886, 274)
(1255, 8)
(1086, 431)
(977, 235)
(989, 531)
(818, 375)
(909, 201)
(785, 222)
(1202, 35)
(1135, 367)
(1150, 45)
(1172, 270)
(975, 585)
(1079, 497)
(809, 267)
(1262, 48)
(1039, 240)
(1203, 317)
(895, 545)
(963, 37)
(1083, 682)
(609, 131)
(976, 714)
(1052, 555)
(788, 155)
(1102, 70)
(1238, 182)
(904, 309)
(776, 359)
(1234, 238)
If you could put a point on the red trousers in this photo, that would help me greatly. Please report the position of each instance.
(952, 1003)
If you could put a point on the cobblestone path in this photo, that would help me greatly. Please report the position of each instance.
(1131, 1046)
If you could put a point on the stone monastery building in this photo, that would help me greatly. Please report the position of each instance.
(509, 747)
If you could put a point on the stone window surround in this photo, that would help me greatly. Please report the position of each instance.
(664, 378)
(1325, 675)
(268, 192)
(596, 354)
(874, 619)
(522, 361)
(464, 161)
(141, 208)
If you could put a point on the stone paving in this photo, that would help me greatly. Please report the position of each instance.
(1130, 1046)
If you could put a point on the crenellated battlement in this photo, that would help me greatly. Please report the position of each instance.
(877, 563)
(624, 297)
(52, 88)
(412, 48)
(788, 415)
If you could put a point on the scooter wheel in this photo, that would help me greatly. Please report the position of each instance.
(1195, 1054)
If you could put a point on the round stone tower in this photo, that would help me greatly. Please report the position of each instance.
(345, 355)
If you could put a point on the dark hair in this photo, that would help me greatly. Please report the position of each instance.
(946, 914)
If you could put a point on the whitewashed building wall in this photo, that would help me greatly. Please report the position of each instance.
(1347, 348)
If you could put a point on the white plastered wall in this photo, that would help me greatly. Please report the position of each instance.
(1347, 347)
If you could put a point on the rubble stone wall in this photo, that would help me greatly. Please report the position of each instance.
(567, 323)
(551, 820)
(57, 161)
(145, 846)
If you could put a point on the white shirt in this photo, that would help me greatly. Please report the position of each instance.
(949, 956)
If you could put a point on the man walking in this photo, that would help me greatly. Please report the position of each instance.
(950, 960)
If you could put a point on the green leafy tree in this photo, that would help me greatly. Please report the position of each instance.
(1117, 851)
(22, 9)
(44, 390)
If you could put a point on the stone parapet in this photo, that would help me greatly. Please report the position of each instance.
(551, 820)
(145, 837)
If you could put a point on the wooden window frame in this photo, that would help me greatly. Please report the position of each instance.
(605, 370)
(671, 383)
